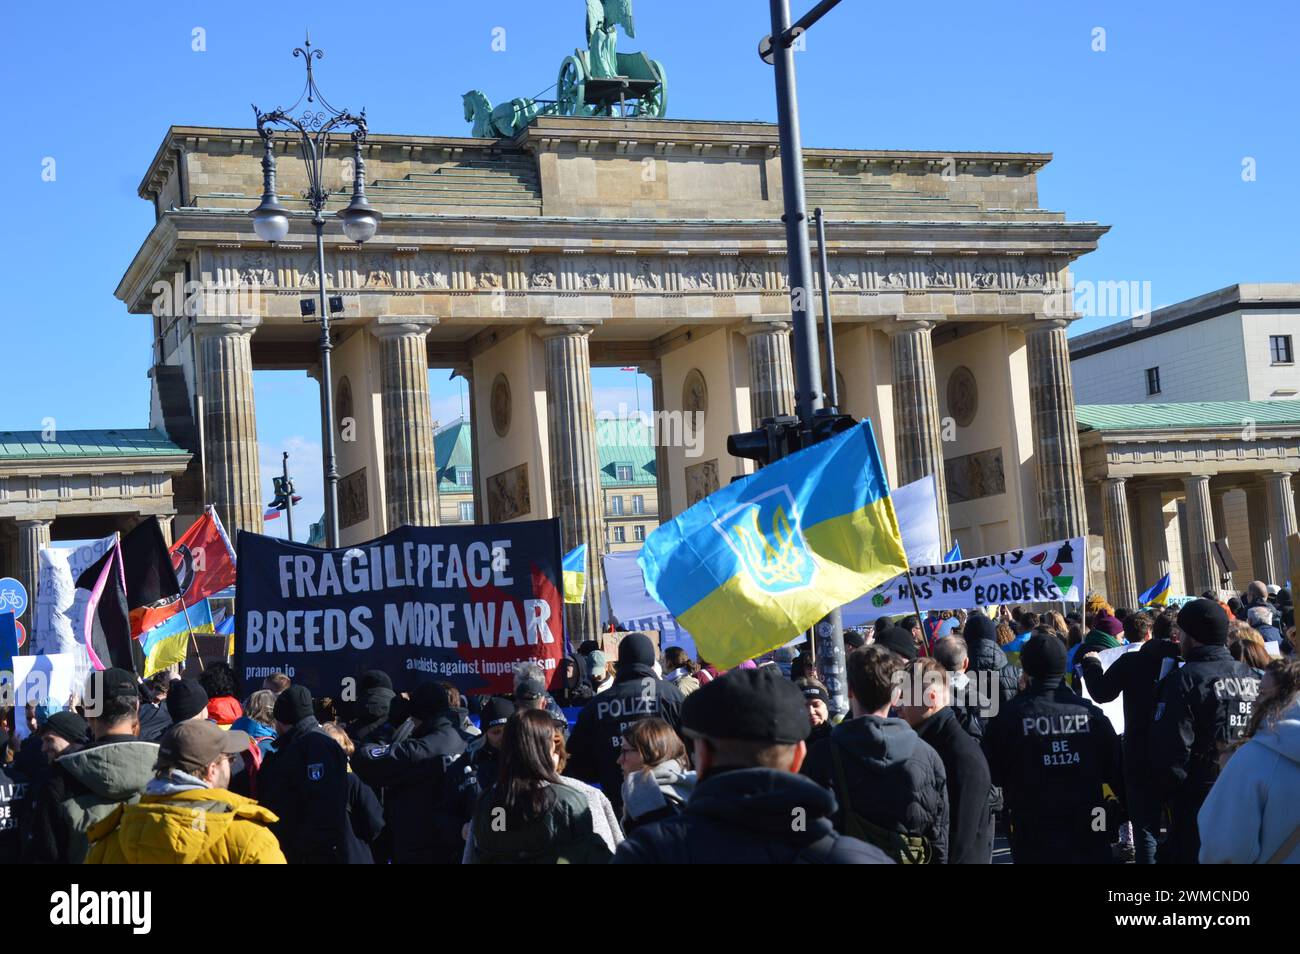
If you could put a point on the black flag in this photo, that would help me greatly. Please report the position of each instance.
(149, 572)
(108, 626)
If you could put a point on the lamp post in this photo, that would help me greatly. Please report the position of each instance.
(313, 130)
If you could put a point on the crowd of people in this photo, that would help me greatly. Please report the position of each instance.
(963, 729)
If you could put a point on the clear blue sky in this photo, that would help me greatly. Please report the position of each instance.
(1149, 137)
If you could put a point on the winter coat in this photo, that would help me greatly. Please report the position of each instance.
(410, 774)
(474, 770)
(970, 821)
(986, 656)
(83, 788)
(743, 816)
(895, 781)
(155, 720)
(593, 747)
(653, 794)
(13, 792)
(564, 833)
(1051, 752)
(186, 824)
(365, 822)
(304, 783)
(1201, 709)
(244, 771)
(1135, 675)
(373, 723)
(224, 710)
(603, 820)
(1251, 810)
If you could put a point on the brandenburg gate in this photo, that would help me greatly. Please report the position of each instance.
(522, 262)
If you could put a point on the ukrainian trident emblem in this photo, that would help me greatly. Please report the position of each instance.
(765, 534)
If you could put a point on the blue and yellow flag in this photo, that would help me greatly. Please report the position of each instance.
(756, 563)
(168, 643)
(574, 566)
(1158, 595)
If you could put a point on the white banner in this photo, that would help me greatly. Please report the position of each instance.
(60, 617)
(917, 507)
(1114, 709)
(1048, 573)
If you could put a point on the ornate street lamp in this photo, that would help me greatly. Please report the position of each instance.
(360, 221)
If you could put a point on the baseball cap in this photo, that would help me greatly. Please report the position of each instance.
(193, 746)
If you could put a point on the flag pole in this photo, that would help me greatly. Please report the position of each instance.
(198, 654)
(911, 591)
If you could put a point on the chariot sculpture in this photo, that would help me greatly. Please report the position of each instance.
(597, 81)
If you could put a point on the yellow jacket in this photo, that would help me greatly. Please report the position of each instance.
(208, 826)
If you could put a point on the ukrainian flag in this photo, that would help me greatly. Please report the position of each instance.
(574, 567)
(756, 563)
(168, 643)
(1158, 595)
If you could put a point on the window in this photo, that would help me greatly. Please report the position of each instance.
(638, 503)
(1279, 349)
(616, 505)
(467, 511)
(638, 532)
(623, 472)
(1153, 381)
(620, 534)
(464, 476)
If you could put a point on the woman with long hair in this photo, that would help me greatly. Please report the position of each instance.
(530, 816)
(656, 772)
(1250, 815)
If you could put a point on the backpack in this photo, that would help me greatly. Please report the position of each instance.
(904, 849)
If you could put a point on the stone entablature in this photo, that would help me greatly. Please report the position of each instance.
(46, 489)
(1179, 451)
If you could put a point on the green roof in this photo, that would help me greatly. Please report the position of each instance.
(452, 453)
(139, 442)
(625, 441)
(1126, 417)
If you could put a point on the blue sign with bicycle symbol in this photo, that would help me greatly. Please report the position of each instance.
(13, 596)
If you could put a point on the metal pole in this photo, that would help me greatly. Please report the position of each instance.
(812, 16)
(288, 496)
(832, 388)
(327, 398)
(807, 367)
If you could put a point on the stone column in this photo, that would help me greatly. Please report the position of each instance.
(1121, 582)
(165, 523)
(1061, 508)
(771, 369)
(574, 466)
(1151, 531)
(663, 491)
(231, 472)
(1220, 515)
(1281, 524)
(1201, 571)
(916, 411)
(33, 536)
(1261, 536)
(410, 472)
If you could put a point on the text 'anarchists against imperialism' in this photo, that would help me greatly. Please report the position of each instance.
(463, 604)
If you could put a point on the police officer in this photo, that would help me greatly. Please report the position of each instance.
(637, 692)
(1201, 709)
(1051, 752)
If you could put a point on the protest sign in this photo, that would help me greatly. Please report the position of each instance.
(457, 603)
(1048, 573)
(1113, 710)
(48, 678)
(59, 620)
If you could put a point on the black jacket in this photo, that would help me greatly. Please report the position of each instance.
(593, 747)
(970, 820)
(895, 781)
(473, 772)
(372, 723)
(13, 792)
(410, 774)
(154, 721)
(744, 816)
(1051, 752)
(305, 782)
(365, 822)
(1135, 675)
(1200, 709)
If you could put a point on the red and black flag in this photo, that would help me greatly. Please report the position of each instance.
(108, 627)
(149, 574)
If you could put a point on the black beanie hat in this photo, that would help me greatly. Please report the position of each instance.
(293, 705)
(185, 699)
(496, 711)
(898, 641)
(636, 649)
(758, 705)
(1043, 657)
(1205, 621)
(428, 700)
(374, 679)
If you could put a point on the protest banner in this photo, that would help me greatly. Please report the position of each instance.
(1048, 573)
(47, 678)
(634, 608)
(1113, 710)
(459, 603)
